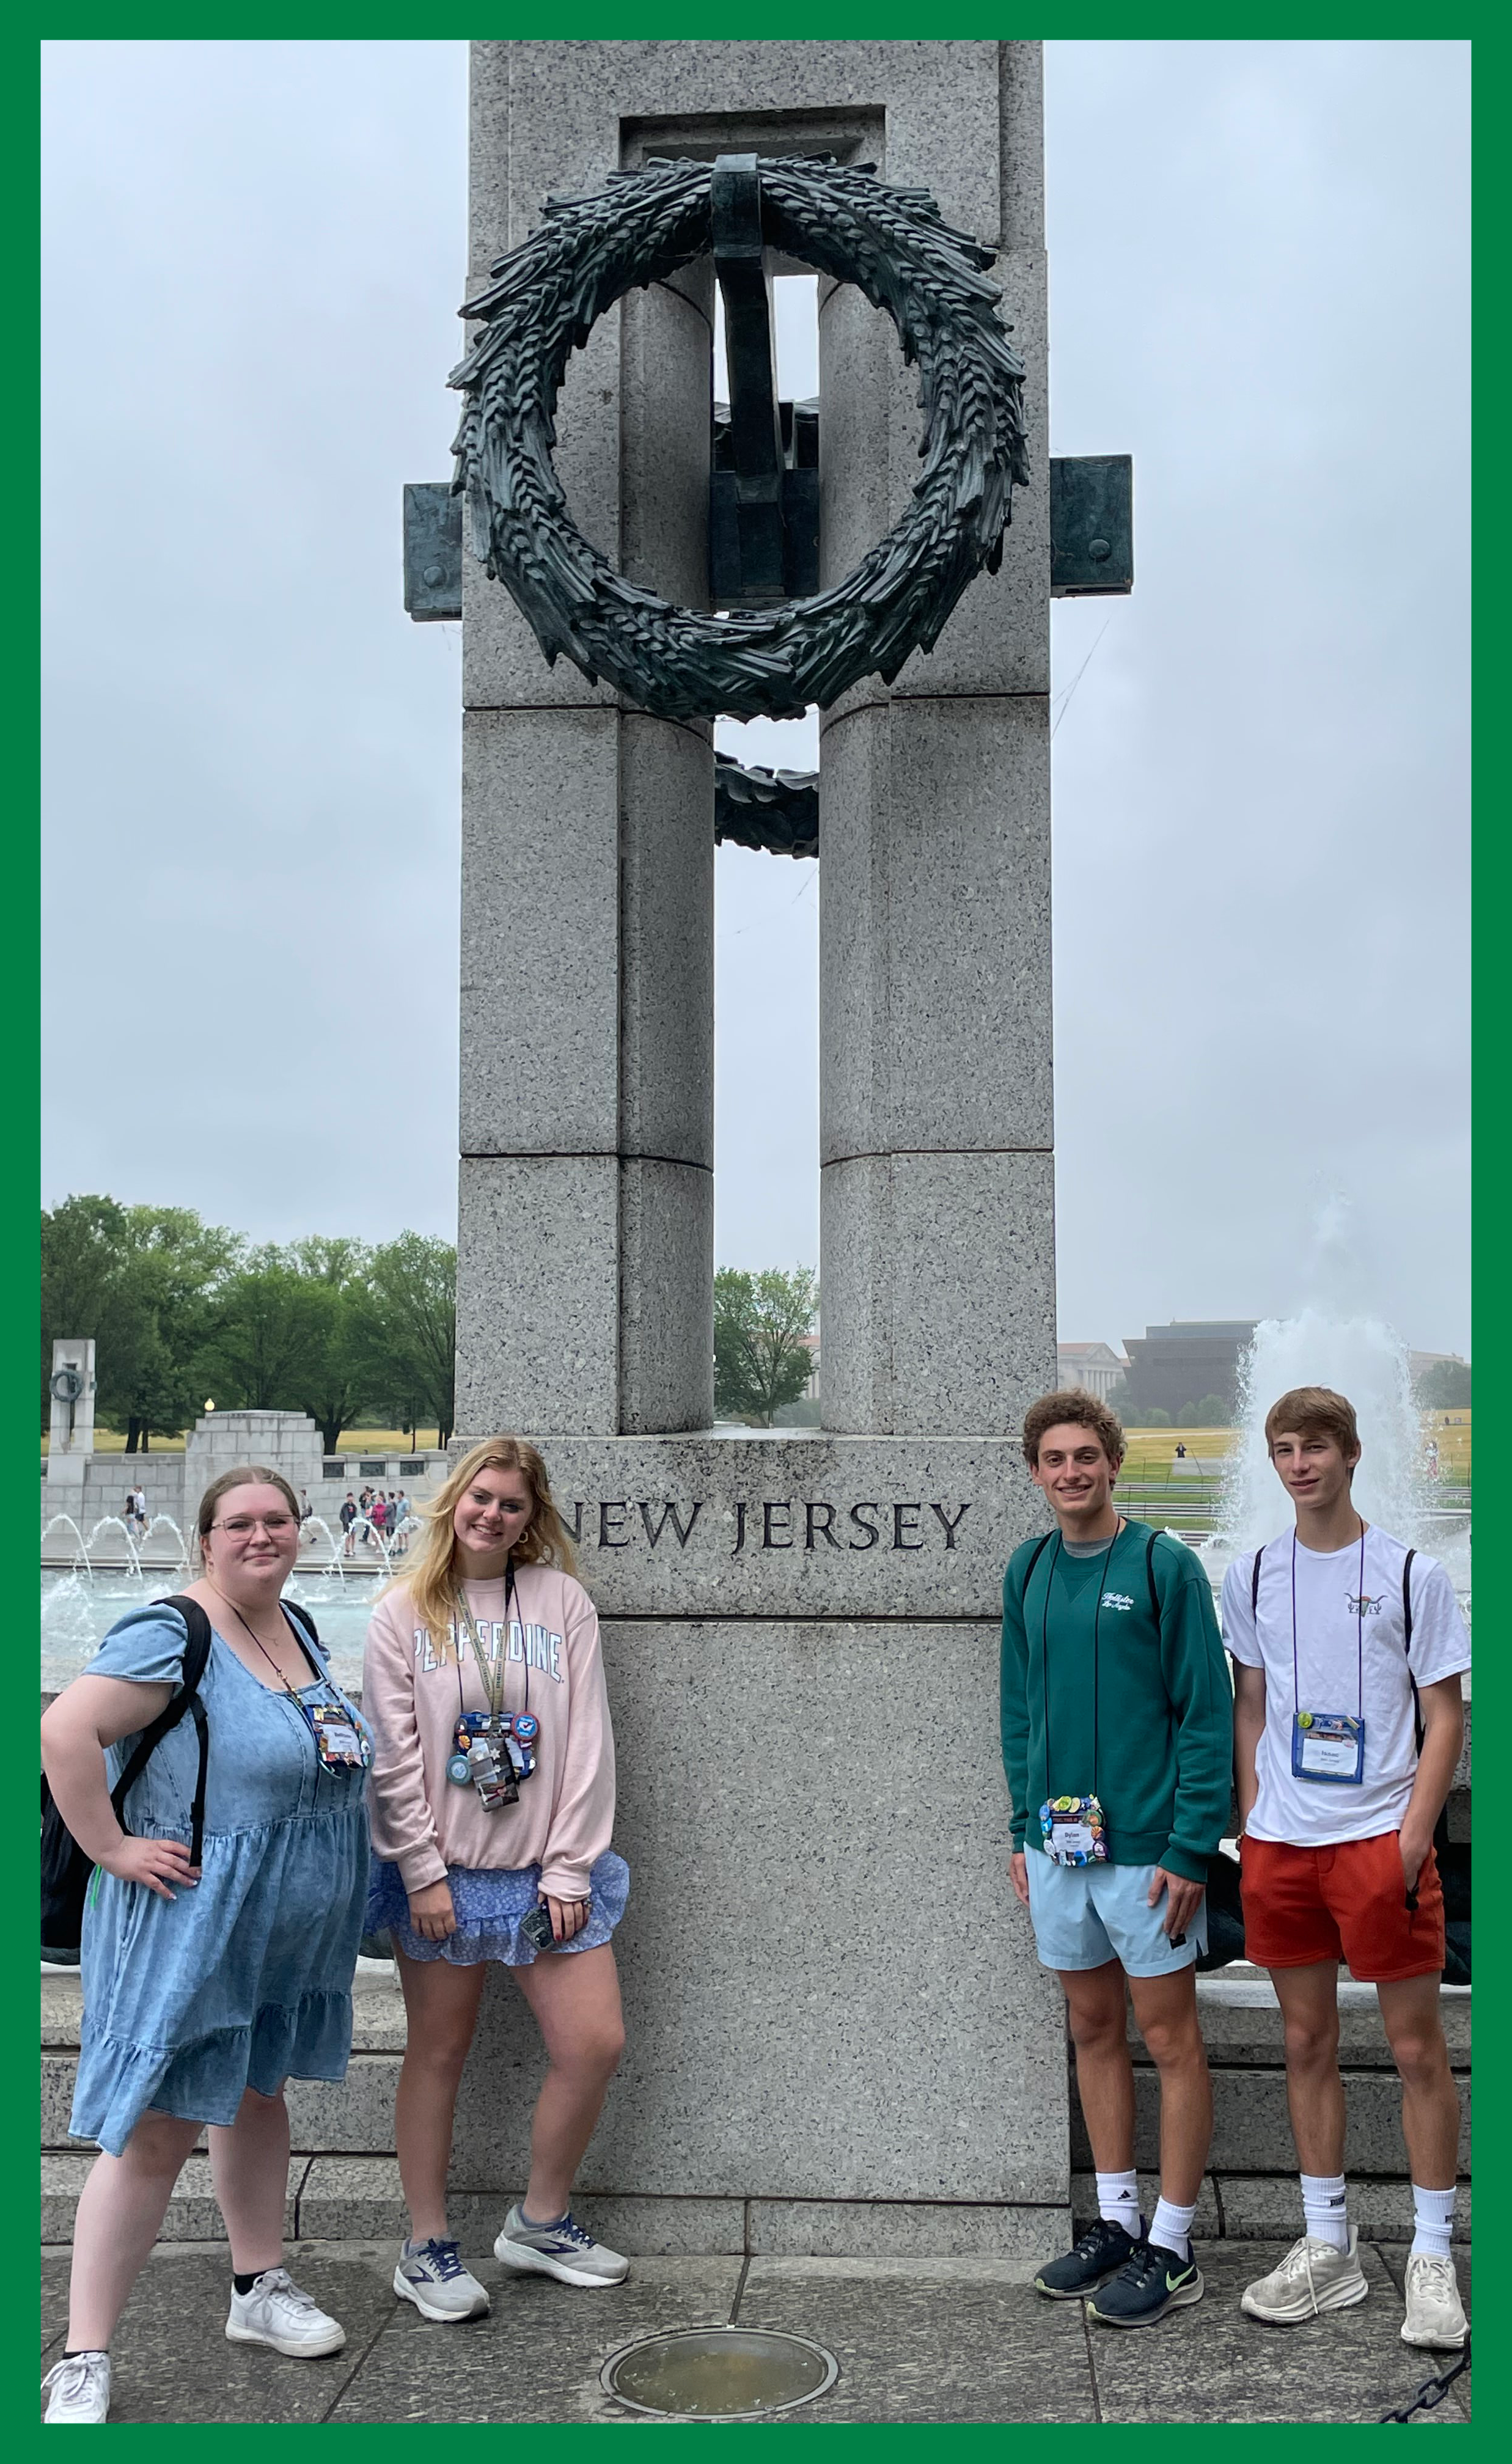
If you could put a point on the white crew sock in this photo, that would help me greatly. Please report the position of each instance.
(1433, 2217)
(1118, 2201)
(1172, 2229)
(1324, 2214)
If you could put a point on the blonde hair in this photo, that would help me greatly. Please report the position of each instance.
(242, 1476)
(430, 1576)
(1314, 1411)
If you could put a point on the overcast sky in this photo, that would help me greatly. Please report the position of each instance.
(1259, 287)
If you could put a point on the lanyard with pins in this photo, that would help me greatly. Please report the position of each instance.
(467, 1630)
(1359, 1631)
(1044, 1645)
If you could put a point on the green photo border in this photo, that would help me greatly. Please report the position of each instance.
(30, 982)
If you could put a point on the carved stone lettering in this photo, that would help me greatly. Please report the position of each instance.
(898, 1513)
(952, 1522)
(616, 1506)
(780, 1506)
(812, 1512)
(668, 1513)
(872, 1534)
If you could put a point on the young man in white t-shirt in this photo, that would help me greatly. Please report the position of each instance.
(1347, 1649)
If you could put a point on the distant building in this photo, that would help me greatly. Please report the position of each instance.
(1171, 1366)
(1088, 1367)
(1418, 1362)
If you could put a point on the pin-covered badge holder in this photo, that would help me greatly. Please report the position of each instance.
(340, 1740)
(495, 1751)
(1328, 1745)
(1075, 1830)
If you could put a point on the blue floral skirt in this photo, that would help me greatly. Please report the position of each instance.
(490, 1907)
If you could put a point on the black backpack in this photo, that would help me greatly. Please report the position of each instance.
(65, 1868)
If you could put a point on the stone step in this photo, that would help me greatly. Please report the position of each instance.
(354, 2116)
(1241, 2022)
(1252, 2131)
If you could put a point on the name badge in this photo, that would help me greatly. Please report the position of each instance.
(1075, 1830)
(1328, 1745)
(338, 1741)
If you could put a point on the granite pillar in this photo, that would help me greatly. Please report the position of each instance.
(831, 1996)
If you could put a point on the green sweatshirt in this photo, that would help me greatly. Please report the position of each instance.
(1161, 1758)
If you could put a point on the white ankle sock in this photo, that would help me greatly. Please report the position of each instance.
(1118, 2201)
(1172, 2229)
(1324, 2211)
(1433, 2217)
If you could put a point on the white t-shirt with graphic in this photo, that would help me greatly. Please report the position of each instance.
(1350, 1656)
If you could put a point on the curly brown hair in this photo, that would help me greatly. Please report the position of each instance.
(1082, 1411)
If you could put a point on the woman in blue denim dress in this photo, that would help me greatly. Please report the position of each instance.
(205, 1987)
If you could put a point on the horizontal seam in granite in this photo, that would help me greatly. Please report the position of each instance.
(886, 701)
(580, 1155)
(891, 1155)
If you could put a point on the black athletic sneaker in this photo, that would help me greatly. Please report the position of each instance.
(1154, 2281)
(1097, 2255)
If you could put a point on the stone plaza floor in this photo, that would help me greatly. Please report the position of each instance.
(936, 2341)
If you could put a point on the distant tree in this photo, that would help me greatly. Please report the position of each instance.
(760, 1359)
(83, 1244)
(405, 1331)
(138, 1280)
(271, 1322)
(333, 1376)
(1211, 1413)
(1154, 1418)
(1443, 1386)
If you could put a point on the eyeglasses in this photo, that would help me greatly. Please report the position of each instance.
(241, 1527)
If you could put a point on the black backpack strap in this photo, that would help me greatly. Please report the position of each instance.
(1407, 1599)
(1150, 1576)
(1254, 1587)
(196, 1654)
(1040, 1547)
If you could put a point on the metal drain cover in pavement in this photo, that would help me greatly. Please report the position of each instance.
(719, 2373)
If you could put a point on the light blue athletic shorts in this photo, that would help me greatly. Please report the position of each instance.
(1086, 1915)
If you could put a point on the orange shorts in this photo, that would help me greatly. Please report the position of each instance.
(1347, 1902)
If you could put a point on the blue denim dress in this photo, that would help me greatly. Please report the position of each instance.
(246, 1979)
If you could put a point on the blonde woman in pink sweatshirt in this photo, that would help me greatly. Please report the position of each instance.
(491, 1800)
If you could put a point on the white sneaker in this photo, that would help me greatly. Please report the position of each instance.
(80, 2384)
(1312, 2278)
(1435, 2315)
(276, 2312)
(561, 2250)
(430, 2274)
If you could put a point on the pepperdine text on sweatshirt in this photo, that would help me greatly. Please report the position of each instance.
(1139, 1705)
(422, 1821)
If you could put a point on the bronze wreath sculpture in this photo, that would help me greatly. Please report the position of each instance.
(543, 301)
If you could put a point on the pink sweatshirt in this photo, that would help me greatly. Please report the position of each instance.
(420, 1820)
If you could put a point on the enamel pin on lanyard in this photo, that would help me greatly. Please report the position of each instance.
(1330, 1746)
(496, 1749)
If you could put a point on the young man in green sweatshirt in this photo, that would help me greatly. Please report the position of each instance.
(1117, 1719)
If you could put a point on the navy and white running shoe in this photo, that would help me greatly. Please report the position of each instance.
(430, 2274)
(562, 2249)
(1094, 2257)
(1154, 2281)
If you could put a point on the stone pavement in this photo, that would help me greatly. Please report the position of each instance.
(941, 2340)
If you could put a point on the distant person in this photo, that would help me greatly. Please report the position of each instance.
(1181, 1453)
(1116, 1742)
(399, 1523)
(378, 1515)
(347, 1519)
(487, 1625)
(207, 1984)
(1348, 1648)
